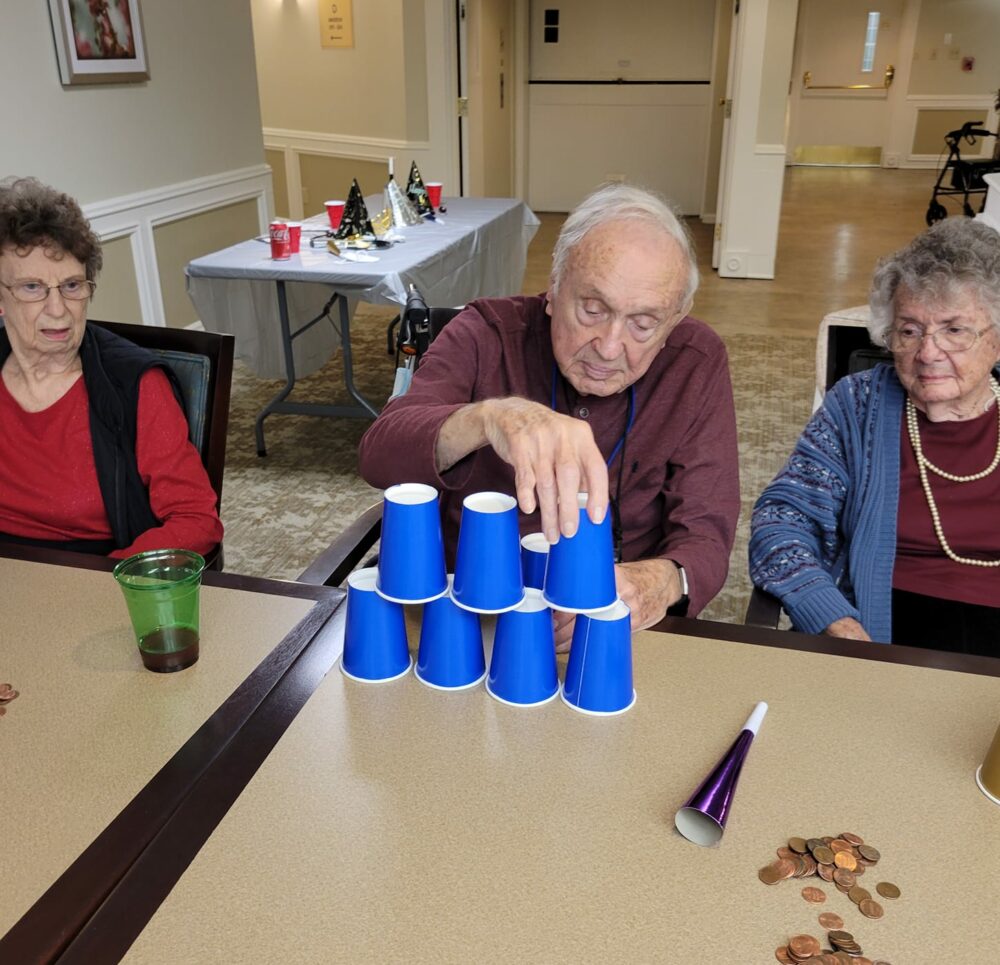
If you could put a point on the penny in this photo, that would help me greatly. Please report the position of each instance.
(802, 946)
(830, 920)
(871, 909)
(858, 894)
(887, 889)
(771, 874)
(869, 853)
(839, 844)
(781, 954)
(798, 845)
(823, 854)
(813, 843)
(815, 896)
(844, 879)
(851, 838)
(844, 859)
(825, 871)
(785, 852)
(839, 936)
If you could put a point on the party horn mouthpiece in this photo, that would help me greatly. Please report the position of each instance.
(703, 819)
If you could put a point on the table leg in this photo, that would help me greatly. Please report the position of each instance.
(278, 405)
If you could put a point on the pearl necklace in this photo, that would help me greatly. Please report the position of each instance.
(923, 464)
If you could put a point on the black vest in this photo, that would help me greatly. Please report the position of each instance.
(112, 368)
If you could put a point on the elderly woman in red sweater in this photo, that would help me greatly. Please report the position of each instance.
(94, 449)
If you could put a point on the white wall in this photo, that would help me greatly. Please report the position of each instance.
(140, 156)
(653, 134)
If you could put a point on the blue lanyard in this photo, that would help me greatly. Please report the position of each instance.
(628, 423)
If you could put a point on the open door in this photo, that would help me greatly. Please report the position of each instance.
(726, 157)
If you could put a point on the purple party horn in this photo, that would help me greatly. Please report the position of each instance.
(703, 819)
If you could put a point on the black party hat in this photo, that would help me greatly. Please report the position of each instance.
(355, 220)
(416, 191)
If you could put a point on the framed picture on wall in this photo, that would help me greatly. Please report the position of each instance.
(98, 41)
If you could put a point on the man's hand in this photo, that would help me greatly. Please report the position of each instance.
(562, 625)
(848, 628)
(649, 587)
(554, 457)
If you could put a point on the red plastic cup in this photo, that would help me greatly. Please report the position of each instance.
(294, 236)
(434, 193)
(334, 211)
(281, 244)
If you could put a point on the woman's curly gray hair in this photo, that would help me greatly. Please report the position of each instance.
(958, 254)
(615, 201)
(32, 214)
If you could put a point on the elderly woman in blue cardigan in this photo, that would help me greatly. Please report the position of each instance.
(884, 524)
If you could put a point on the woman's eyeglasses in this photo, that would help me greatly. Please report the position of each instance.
(74, 290)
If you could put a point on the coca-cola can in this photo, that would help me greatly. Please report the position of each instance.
(281, 243)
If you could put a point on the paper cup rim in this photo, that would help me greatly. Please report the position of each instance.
(509, 502)
(427, 493)
(535, 538)
(410, 599)
(477, 609)
(513, 703)
(468, 686)
(982, 786)
(585, 611)
(595, 713)
(374, 680)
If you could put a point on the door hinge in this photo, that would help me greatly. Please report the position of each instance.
(463, 107)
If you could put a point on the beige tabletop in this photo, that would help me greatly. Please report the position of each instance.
(91, 726)
(396, 823)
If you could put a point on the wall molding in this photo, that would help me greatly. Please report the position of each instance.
(913, 104)
(136, 216)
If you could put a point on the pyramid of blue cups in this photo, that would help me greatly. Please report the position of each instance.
(520, 581)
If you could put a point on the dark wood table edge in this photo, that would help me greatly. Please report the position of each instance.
(835, 646)
(127, 910)
(57, 916)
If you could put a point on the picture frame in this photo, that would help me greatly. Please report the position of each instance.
(99, 41)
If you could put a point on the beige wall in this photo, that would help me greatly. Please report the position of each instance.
(974, 26)
(117, 296)
(377, 89)
(197, 115)
(329, 178)
(279, 181)
(932, 125)
(178, 242)
(720, 72)
(778, 46)
(491, 29)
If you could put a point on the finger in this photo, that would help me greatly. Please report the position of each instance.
(568, 482)
(524, 486)
(595, 482)
(548, 505)
(564, 624)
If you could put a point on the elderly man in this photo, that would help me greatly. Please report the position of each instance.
(602, 385)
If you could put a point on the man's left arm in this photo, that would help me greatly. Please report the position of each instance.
(701, 496)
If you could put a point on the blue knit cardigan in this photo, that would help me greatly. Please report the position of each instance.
(823, 533)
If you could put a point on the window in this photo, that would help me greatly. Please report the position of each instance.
(871, 39)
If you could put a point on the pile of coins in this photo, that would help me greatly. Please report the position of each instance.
(7, 694)
(840, 860)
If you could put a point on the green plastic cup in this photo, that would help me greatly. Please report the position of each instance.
(161, 589)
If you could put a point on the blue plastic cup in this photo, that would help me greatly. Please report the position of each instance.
(411, 553)
(488, 560)
(375, 636)
(599, 671)
(451, 647)
(523, 666)
(580, 576)
(534, 557)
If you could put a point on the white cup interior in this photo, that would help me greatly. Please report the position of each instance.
(532, 602)
(334, 202)
(535, 543)
(489, 502)
(363, 579)
(617, 611)
(410, 494)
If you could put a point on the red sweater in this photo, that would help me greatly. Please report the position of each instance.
(48, 480)
(968, 513)
(680, 489)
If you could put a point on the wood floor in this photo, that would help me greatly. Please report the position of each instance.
(835, 224)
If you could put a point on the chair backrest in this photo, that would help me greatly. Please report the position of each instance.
(203, 364)
(849, 350)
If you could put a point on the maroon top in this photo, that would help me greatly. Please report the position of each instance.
(968, 512)
(680, 490)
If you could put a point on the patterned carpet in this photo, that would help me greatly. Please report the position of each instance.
(283, 510)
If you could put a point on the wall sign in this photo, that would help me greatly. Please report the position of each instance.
(336, 23)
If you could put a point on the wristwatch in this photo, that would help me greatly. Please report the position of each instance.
(681, 606)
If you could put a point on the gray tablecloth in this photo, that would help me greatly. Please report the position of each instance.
(476, 249)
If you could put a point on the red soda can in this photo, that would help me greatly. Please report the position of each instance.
(281, 242)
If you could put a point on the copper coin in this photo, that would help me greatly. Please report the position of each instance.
(871, 909)
(887, 889)
(858, 894)
(3, 710)
(798, 845)
(815, 896)
(823, 854)
(811, 865)
(839, 844)
(830, 920)
(844, 859)
(802, 946)
(813, 843)
(784, 852)
(851, 838)
(869, 853)
(825, 871)
(771, 874)
(840, 935)
(781, 954)
(844, 879)
(860, 869)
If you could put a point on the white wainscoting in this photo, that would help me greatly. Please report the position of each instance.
(294, 143)
(915, 103)
(135, 216)
(580, 135)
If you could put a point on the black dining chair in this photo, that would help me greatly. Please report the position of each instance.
(203, 364)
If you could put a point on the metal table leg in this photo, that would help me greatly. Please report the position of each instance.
(363, 410)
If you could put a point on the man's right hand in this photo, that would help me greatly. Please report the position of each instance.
(554, 457)
(848, 628)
